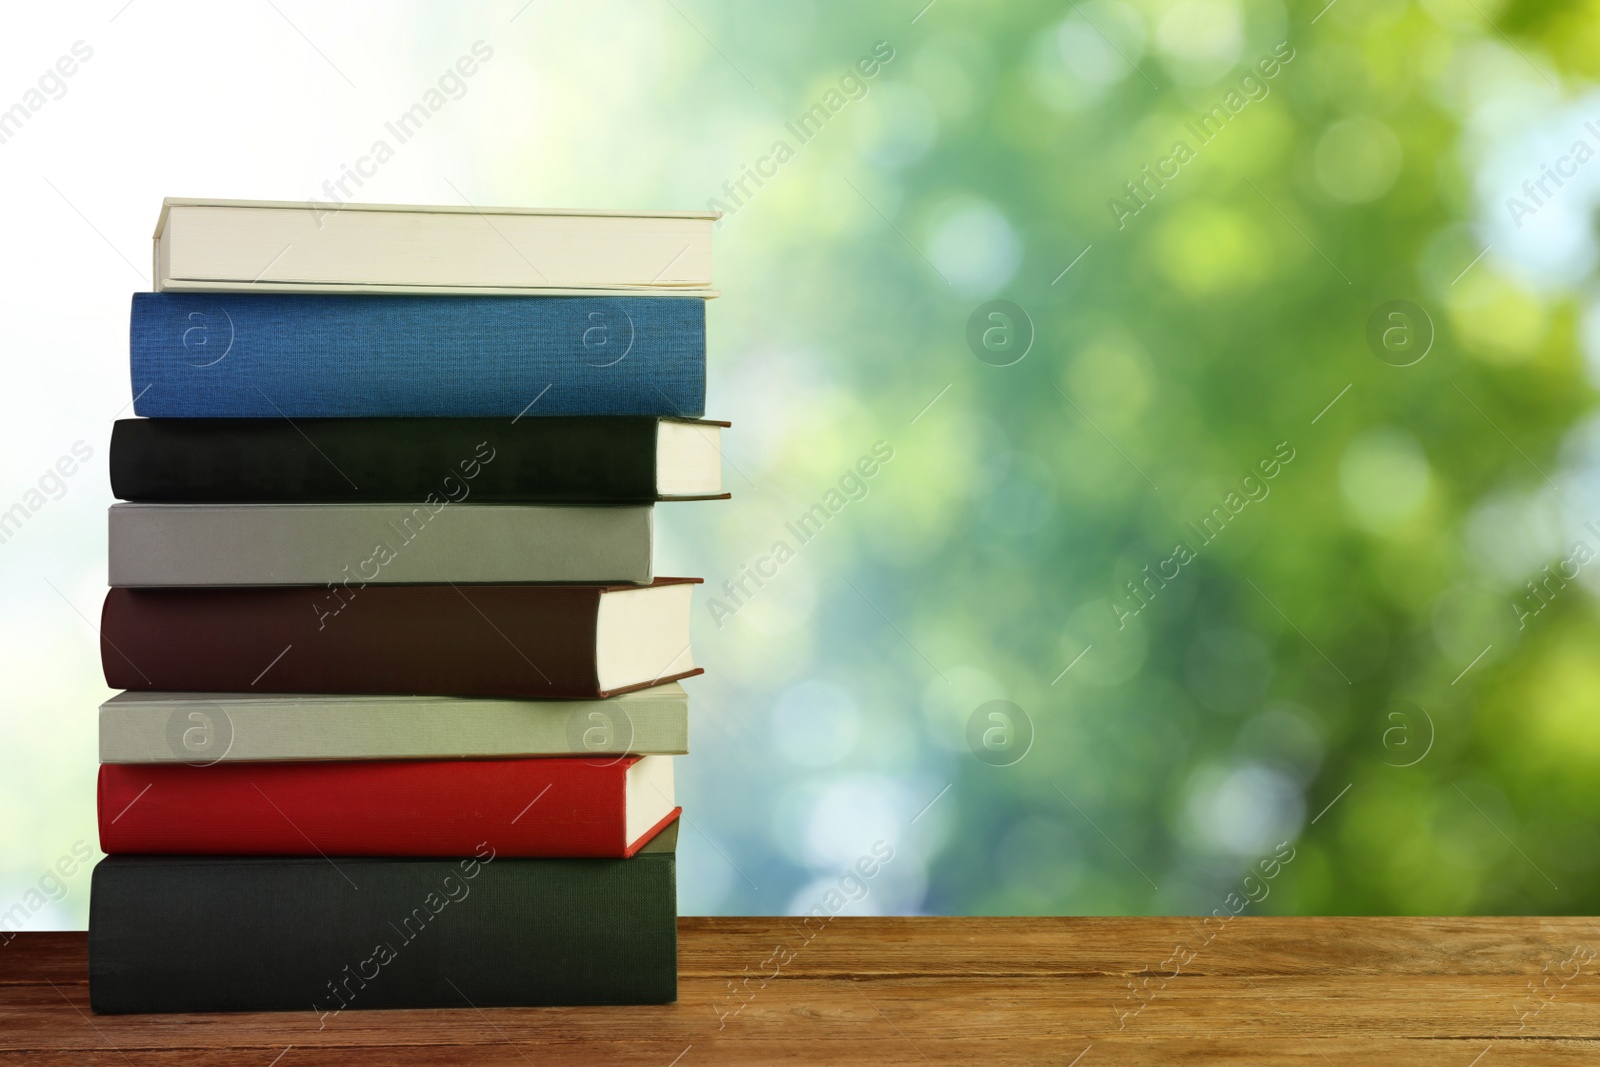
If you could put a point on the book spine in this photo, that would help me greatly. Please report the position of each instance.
(531, 807)
(572, 460)
(180, 934)
(231, 355)
(530, 641)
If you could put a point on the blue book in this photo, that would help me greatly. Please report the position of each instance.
(197, 355)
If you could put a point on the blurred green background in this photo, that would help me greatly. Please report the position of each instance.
(1355, 665)
(1305, 676)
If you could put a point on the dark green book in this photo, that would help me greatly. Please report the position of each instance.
(225, 933)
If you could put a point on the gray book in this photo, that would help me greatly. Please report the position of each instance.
(154, 727)
(314, 544)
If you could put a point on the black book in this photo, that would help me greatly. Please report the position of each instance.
(546, 460)
(224, 933)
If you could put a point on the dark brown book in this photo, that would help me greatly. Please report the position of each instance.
(530, 641)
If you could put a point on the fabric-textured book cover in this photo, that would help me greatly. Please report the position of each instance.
(550, 807)
(230, 355)
(529, 641)
(378, 544)
(561, 460)
(152, 727)
(331, 934)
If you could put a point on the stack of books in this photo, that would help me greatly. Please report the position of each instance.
(401, 686)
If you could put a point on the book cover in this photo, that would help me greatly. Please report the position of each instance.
(201, 728)
(375, 544)
(557, 460)
(553, 807)
(522, 641)
(300, 246)
(233, 355)
(327, 935)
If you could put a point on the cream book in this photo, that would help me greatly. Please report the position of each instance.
(153, 727)
(284, 246)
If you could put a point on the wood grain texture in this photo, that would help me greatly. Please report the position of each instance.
(1071, 991)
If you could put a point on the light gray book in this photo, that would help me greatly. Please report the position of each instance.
(314, 544)
(155, 727)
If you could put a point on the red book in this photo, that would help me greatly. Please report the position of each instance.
(521, 807)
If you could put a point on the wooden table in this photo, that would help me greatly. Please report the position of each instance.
(1068, 991)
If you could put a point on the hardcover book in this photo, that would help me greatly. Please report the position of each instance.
(229, 355)
(264, 246)
(375, 544)
(334, 934)
(566, 807)
(558, 460)
(566, 642)
(203, 728)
